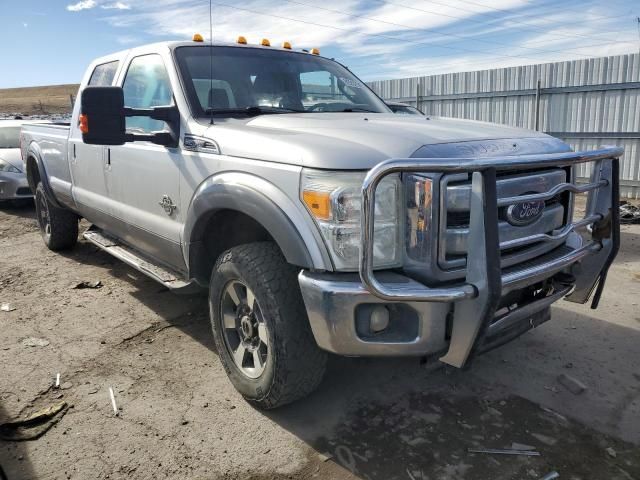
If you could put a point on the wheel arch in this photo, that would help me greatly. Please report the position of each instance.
(263, 212)
(36, 173)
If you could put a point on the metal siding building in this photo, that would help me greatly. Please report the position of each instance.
(588, 103)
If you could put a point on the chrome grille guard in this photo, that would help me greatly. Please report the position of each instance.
(478, 297)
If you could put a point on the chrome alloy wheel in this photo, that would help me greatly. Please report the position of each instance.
(245, 332)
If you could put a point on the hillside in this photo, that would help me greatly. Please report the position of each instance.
(37, 100)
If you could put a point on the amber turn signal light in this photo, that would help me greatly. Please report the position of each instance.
(319, 203)
(83, 123)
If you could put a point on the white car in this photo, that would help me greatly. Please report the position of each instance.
(13, 181)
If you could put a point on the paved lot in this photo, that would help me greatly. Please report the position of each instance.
(180, 417)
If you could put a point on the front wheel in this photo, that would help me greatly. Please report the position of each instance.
(260, 326)
(58, 226)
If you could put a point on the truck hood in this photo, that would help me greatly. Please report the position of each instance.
(12, 156)
(360, 141)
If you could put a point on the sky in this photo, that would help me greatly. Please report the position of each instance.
(46, 42)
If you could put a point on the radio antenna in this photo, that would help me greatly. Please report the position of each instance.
(210, 96)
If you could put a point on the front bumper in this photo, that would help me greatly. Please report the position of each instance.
(339, 309)
(14, 186)
(493, 304)
(336, 303)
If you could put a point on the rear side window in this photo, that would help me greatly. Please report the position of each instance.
(103, 74)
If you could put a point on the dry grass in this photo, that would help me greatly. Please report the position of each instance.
(37, 100)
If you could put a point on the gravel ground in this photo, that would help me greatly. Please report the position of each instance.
(394, 419)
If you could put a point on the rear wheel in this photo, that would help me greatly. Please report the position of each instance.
(58, 226)
(260, 326)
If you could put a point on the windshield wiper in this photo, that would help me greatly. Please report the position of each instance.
(251, 111)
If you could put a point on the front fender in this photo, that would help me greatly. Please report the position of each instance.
(267, 205)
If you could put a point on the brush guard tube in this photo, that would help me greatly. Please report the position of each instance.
(476, 300)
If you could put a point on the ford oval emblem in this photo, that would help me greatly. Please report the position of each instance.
(524, 213)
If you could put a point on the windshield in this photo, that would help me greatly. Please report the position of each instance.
(9, 137)
(257, 80)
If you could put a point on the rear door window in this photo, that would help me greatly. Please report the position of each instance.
(103, 74)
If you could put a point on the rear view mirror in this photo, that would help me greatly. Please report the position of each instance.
(102, 116)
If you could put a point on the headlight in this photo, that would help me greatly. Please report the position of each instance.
(334, 200)
(7, 167)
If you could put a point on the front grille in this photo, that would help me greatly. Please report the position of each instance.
(455, 214)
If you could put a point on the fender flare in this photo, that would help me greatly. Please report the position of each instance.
(33, 151)
(266, 204)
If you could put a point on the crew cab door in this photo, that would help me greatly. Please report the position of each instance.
(90, 190)
(143, 178)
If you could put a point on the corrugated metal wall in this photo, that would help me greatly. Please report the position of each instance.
(588, 103)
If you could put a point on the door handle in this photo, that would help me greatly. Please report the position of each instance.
(108, 157)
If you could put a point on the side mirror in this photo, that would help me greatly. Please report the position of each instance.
(102, 116)
(103, 119)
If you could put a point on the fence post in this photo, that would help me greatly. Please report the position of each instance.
(418, 94)
(537, 108)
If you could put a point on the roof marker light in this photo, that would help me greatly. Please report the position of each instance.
(286, 45)
(241, 40)
(197, 37)
(265, 42)
(315, 51)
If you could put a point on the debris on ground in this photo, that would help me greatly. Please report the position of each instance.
(113, 402)
(325, 457)
(551, 476)
(521, 446)
(572, 384)
(7, 307)
(544, 439)
(629, 213)
(611, 452)
(35, 425)
(87, 284)
(35, 342)
(66, 386)
(57, 380)
(504, 451)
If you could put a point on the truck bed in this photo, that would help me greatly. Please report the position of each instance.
(47, 143)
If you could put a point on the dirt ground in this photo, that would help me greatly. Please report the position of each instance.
(180, 418)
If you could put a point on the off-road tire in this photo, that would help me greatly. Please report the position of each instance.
(58, 226)
(295, 365)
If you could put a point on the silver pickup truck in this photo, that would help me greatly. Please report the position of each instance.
(318, 220)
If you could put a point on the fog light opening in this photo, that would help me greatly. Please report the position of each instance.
(379, 320)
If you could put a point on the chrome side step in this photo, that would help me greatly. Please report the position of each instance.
(132, 258)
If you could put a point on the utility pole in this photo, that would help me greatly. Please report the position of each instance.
(638, 20)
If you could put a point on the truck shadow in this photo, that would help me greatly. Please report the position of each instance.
(386, 419)
(19, 208)
(14, 457)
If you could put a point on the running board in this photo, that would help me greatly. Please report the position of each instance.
(132, 258)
